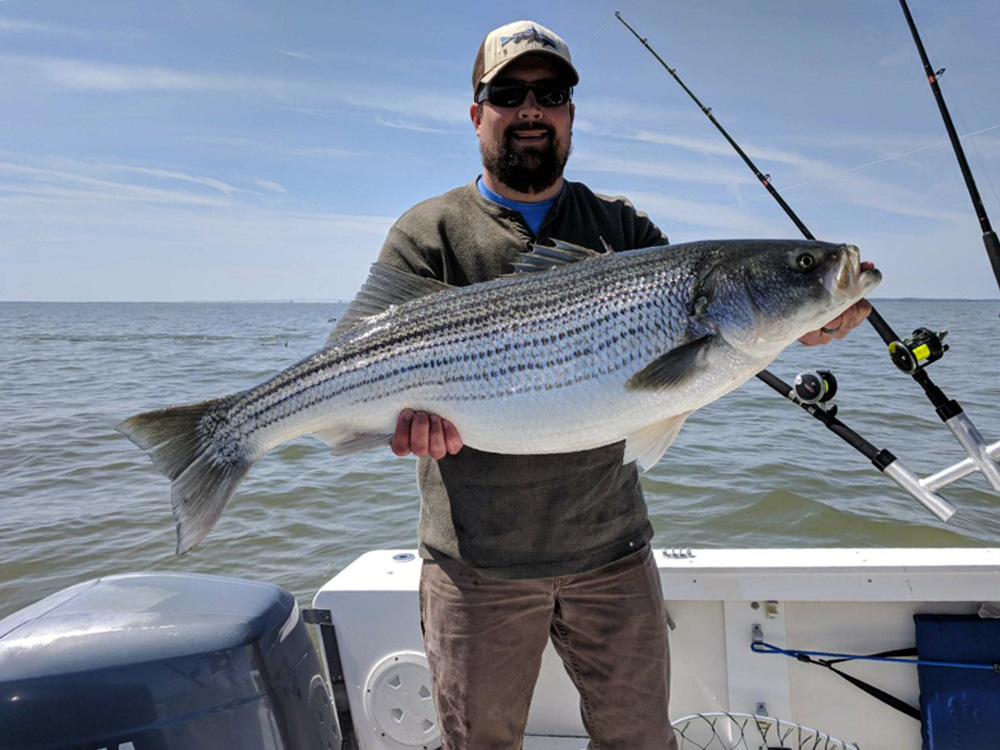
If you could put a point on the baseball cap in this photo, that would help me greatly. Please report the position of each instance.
(514, 40)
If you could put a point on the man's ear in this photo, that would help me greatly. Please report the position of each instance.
(476, 115)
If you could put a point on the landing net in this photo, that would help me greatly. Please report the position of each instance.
(720, 730)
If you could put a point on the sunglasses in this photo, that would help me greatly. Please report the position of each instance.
(547, 93)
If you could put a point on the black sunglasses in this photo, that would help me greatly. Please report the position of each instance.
(513, 94)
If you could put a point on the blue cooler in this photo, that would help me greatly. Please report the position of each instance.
(163, 661)
(959, 707)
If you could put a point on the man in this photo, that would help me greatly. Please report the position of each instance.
(521, 549)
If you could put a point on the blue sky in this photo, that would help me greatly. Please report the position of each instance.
(257, 149)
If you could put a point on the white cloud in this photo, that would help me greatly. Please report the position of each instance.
(697, 216)
(166, 174)
(607, 114)
(409, 125)
(408, 102)
(704, 146)
(282, 149)
(272, 187)
(56, 176)
(17, 26)
(83, 75)
(674, 170)
(295, 55)
(25, 71)
(49, 183)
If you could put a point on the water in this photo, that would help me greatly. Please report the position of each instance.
(78, 500)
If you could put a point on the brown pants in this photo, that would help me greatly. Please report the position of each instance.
(485, 637)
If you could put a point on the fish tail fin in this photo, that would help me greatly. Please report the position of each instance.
(184, 443)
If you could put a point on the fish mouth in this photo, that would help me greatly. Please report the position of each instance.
(847, 279)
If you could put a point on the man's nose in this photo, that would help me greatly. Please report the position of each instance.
(530, 109)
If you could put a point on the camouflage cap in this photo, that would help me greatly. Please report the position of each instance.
(514, 40)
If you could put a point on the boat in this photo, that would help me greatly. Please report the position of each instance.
(157, 661)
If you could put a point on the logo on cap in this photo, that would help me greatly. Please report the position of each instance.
(531, 34)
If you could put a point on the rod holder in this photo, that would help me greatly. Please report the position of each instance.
(956, 471)
(912, 484)
(977, 449)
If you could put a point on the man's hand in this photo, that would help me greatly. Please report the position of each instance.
(424, 434)
(840, 326)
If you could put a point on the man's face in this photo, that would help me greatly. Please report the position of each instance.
(525, 146)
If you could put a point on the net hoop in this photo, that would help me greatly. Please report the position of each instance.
(723, 730)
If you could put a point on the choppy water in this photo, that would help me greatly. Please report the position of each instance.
(77, 500)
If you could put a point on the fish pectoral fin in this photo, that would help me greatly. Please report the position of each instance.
(545, 258)
(343, 442)
(647, 446)
(385, 286)
(674, 368)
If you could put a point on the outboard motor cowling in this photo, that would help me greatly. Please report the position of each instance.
(163, 661)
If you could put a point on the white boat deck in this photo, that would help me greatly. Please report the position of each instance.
(837, 600)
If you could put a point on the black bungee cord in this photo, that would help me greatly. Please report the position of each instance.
(910, 355)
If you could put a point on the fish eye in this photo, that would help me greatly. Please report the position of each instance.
(805, 261)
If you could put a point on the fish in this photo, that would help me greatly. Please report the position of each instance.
(574, 349)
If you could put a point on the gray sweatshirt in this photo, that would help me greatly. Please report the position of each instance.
(522, 516)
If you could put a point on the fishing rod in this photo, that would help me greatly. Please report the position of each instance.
(989, 236)
(812, 390)
(911, 356)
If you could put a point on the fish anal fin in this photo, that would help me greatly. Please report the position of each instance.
(647, 446)
(673, 369)
(345, 442)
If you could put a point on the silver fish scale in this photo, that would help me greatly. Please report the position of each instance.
(535, 332)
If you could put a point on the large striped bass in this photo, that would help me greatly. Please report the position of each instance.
(575, 350)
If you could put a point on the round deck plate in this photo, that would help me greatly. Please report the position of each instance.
(398, 702)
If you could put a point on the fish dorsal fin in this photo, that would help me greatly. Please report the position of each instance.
(385, 286)
(674, 368)
(647, 446)
(544, 257)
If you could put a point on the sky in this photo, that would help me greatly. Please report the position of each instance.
(185, 150)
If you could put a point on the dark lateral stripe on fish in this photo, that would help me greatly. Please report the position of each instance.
(462, 357)
(265, 400)
(416, 342)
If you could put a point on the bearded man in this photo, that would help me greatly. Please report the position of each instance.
(522, 549)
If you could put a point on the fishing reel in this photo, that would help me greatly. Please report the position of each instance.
(816, 387)
(918, 351)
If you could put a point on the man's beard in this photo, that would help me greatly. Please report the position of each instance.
(526, 170)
